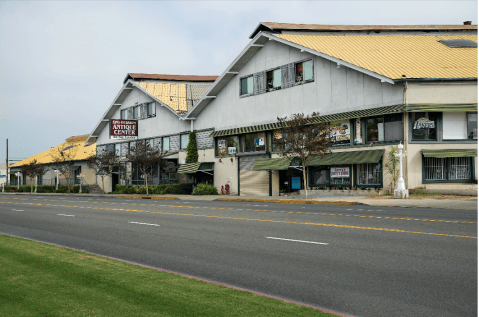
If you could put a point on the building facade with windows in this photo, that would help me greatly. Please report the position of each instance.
(156, 103)
(375, 86)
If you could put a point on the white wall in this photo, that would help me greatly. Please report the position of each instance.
(441, 93)
(334, 90)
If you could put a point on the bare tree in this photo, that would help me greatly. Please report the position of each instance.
(303, 137)
(63, 159)
(146, 158)
(392, 166)
(103, 163)
(31, 170)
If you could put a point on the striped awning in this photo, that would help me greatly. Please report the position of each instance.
(326, 118)
(450, 153)
(350, 157)
(272, 164)
(441, 107)
(188, 168)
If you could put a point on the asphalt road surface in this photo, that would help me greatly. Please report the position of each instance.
(358, 260)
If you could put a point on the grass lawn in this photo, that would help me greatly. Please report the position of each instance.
(38, 279)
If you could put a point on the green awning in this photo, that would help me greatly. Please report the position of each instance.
(450, 153)
(210, 166)
(274, 164)
(441, 107)
(188, 168)
(326, 118)
(350, 157)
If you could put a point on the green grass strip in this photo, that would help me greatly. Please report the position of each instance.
(38, 279)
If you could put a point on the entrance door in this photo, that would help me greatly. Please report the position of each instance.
(253, 182)
(115, 179)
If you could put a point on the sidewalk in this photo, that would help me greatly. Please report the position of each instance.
(445, 201)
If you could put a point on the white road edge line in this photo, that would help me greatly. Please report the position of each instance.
(297, 240)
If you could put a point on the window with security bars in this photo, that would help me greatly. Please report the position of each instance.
(369, 174)
(447, 169)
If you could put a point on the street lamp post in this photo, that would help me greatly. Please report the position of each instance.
(80, 177)
(401, 192)
(18, 179)
(56, 175)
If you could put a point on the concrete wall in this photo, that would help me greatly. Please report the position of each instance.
(441, 93)
(165, 122)
(334, 90)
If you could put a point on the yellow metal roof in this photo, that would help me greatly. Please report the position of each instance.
(80, 150)
(395, 56)
(173, 95)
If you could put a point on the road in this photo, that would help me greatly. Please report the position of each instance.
(358, 260)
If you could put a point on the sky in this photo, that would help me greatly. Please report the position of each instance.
(63, 62)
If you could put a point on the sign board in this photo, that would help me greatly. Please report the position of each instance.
(423, 123)
(295, 182)
(357, 137)
(259, 141)
(340, 172)
(123, 129)
(231, 150)
(221, 144)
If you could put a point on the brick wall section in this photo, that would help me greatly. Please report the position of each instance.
(203, 141)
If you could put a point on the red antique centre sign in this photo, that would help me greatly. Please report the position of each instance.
(123, 129)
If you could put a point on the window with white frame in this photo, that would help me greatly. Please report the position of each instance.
(166, 144)
(184, 139)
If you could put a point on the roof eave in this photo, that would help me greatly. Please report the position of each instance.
(257, 30)
(435, 79)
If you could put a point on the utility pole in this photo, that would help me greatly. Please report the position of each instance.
(7, 166)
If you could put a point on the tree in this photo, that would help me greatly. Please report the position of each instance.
(303, 137)
(392, 165)
(192, 149)
(103, 163)
(146, 158)
(31, 170)
(63, 160)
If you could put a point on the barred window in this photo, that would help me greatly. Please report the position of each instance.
(447, 168)
(369, 174)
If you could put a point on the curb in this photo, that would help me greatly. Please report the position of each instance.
(281, 201)
(147, 197)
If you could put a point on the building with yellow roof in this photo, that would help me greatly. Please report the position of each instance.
(74, 147)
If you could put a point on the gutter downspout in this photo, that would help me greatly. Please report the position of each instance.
(406, 136)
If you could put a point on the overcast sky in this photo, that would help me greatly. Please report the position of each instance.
(62, 63)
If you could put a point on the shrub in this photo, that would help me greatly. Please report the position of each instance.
(205, 189)
(10, 189)
(142, 190)
(126, 189)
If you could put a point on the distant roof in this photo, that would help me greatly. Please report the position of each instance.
(77, 145)
(278, 27)
(396, 57)
(136, 76)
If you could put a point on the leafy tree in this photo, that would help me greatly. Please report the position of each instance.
(31, 170)
(146, 158)
(192, 149)
(103, 163)
(63, 159)
(392, 165)
(303, 137)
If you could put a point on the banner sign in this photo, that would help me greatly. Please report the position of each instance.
(339, 132)
(123, 129)
(340, 172)
(357, 138)
(423, 123)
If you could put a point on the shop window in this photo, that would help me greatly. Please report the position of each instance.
(384, 128)
(254, 142)
(166, 144)
(340, 132)
(227, 145)
(39, 179)
(277, 136)
(369, 174)
(152, 109)
(184, 139)
(425, 125)
(320, 177)
(340, 176)
(273, 80)
(304, 71)
(247, 85)
(472, 126)
(437, 169)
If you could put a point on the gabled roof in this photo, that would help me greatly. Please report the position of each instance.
(198, 78)
(274, 27)
(81, 150)
(396, 57)
(386, 58)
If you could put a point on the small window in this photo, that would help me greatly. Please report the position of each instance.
(254, 142)
(424, 125)
(137, 112)
(304, 71)
(227, 145)
(247, 85)
(472, 126)
(273, 80)
(151, 109)
(124, 114)
(185, 138)
(117, 149)
(459, 43)
(375, 129)
(166, 144)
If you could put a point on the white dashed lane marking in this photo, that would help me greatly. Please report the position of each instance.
(144, 223)
(303, 241)
(65, 215)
